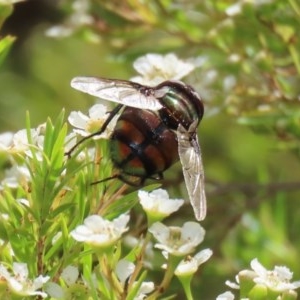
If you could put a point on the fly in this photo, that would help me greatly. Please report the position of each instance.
(156, 127)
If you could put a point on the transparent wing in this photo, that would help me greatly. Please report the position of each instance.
(120, 91)
(190, 158)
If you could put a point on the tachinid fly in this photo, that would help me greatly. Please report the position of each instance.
(156, 127)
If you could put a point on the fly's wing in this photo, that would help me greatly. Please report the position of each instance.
(121, 91)
(190, 158)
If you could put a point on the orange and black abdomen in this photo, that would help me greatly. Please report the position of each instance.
(141, 145)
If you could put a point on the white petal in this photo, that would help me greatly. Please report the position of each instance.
(193, 232)
(283, 273)
(234, 9)
(258, 268)
(143, 64)
(203, 256)
(160, 232)
(188, 266)
(6, 139)
(78, 119)
(226, 296)
(233, 285)
(124, 269)
(98, 111)
(70, 275)
(54, 290)
(15, 284)
(121, 222)
(296, 284)
(99, 231)
(95, 223)
(158, 201)
(4, 273)
(146, 287)
(81, 233)
(39, 282)
(21, 270)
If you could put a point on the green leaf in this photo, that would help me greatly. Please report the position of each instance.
(5, 45)
(5, 11)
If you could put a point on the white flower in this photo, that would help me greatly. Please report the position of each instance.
(6, 140)
(20, 139)
(15, 176)
(54, 290)
(156, 68)
(158, 202)
(145, 288)
(18, 142)
(234, 9)
(99, 232)
(124, 269)
(276, 280)
(70, 141)
(19, 282)
(87, 154)
(70, 275)
(234, 285)
(237, 8)
(190, 265)
(226, 296)
(77, 19)
(85, 125)
(178, 241)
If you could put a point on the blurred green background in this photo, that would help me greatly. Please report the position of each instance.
(248, 76)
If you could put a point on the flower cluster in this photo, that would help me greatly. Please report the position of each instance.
(19, 283)
(156, 68)
(99, 232)
(178, 241)
(260, 283)
(124, 270)
(78, 18)
(175, 243)
(51, 192)
(237, 7)
(88, 247)
(17, 144)
(157, 204)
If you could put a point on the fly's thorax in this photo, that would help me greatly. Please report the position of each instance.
(141, 144)
(181, 104)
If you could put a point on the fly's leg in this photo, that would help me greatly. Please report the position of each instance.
(104, 126)
(130, 180)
